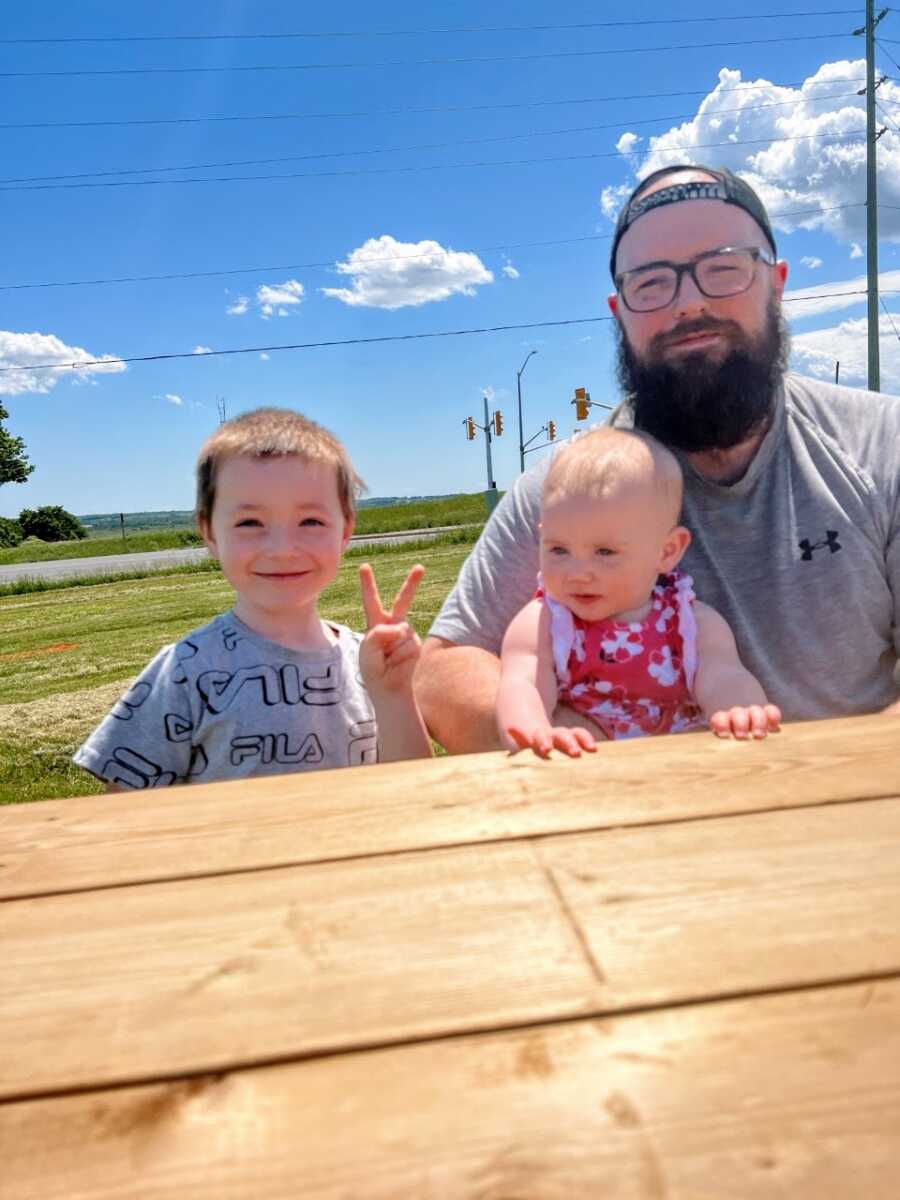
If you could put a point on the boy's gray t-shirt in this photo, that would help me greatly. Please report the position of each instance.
(801, 556)
(225, 703)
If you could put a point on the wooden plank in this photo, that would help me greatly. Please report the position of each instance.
(96, 841)
(720, 907)
(104, 987)
(793, 1096)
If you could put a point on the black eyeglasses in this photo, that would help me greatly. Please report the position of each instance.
(727, 271)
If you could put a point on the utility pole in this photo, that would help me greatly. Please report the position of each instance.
(872, 195)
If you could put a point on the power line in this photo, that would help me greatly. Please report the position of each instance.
(223, 37)
(308, 266)
(422, 62)
(396, 112)
(507, 137)
(514, 162)
(890, 318)
(398, 337)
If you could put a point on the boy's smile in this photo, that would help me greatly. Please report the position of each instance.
(279, 532)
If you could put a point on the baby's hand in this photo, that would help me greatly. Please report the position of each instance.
(545, 738)
(755, 721)
(390, 650)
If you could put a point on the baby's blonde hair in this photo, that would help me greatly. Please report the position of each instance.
(269, 433)
(603, 461)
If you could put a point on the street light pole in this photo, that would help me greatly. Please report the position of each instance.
(521, 429)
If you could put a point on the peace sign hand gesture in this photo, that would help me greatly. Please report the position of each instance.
(390, 649)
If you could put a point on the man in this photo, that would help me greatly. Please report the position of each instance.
(792, 486)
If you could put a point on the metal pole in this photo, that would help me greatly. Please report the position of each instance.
(487, 444)
(871, 204)
(837, 370)
(521, 429)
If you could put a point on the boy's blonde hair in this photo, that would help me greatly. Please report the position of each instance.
(601, 461)
(267, 433)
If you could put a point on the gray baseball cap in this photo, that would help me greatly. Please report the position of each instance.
(724, 185)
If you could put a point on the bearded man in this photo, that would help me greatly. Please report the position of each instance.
(792, 486)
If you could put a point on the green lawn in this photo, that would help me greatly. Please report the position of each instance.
(419, 514)
(66, 654)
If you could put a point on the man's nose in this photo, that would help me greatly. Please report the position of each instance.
(688, 299)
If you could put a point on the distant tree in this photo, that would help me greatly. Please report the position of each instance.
(14, 466)
(10, 532)
(51, 524)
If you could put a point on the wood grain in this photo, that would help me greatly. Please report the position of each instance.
(101, 987)
(721, 907)
(796, 1096)
(96, 841)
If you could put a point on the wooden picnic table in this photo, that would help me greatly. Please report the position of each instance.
(670, 970)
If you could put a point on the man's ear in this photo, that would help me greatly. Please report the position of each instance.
(781, 274)
(677, 541)
(613, 301)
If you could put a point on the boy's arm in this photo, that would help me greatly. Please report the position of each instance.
(732, 699)
(527, 694)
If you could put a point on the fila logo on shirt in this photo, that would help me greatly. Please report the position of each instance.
(809, 548)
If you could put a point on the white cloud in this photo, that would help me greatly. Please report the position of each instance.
(32, 349)
(855, 250)
(391, 274)
(834, 296)
(265, 357)
(510, 272)
(202, 350)
(809, 260)
(275, 300)
(815, 353)
(239, 307)
(821, 172)
(173, 399)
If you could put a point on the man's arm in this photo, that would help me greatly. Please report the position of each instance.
(456, 687)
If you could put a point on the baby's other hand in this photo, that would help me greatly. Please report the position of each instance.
(545, 738)
(755, 721)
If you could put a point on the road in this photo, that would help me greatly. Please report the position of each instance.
(156, 560)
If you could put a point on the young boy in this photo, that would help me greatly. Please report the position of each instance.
(269, 687)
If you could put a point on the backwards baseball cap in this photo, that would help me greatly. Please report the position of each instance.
(724, 185)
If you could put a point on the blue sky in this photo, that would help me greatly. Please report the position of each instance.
(125, 439)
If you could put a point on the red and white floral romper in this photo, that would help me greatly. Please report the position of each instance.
(632, 678)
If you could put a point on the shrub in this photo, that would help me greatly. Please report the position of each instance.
(51, 524)
(10, 532)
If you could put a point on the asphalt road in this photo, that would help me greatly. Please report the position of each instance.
(156, 560)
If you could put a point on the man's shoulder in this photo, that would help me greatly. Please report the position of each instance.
(832, 403)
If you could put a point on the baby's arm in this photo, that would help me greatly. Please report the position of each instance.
(732, 699)
(527, 694)
(387, 661)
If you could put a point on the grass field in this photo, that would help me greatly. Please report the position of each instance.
(420, 514)
(67, 654)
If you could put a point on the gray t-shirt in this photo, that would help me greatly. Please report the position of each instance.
(801, 556)
(225, 703)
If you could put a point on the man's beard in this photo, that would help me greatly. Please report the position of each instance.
(696, 403)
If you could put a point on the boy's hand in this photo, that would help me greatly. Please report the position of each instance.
(546, 738)
(390, 649)
(754, 721)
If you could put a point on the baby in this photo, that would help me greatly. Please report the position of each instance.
(615, 631)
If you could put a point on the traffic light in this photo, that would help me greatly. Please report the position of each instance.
(470, 428)
(551, 431)
(498, 422)
(582, 404)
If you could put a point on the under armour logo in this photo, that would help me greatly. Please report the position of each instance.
(809, 547)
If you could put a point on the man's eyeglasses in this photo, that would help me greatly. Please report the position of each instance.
(727, 271)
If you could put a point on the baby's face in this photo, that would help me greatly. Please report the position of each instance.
(601, 558)
(279, 532)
